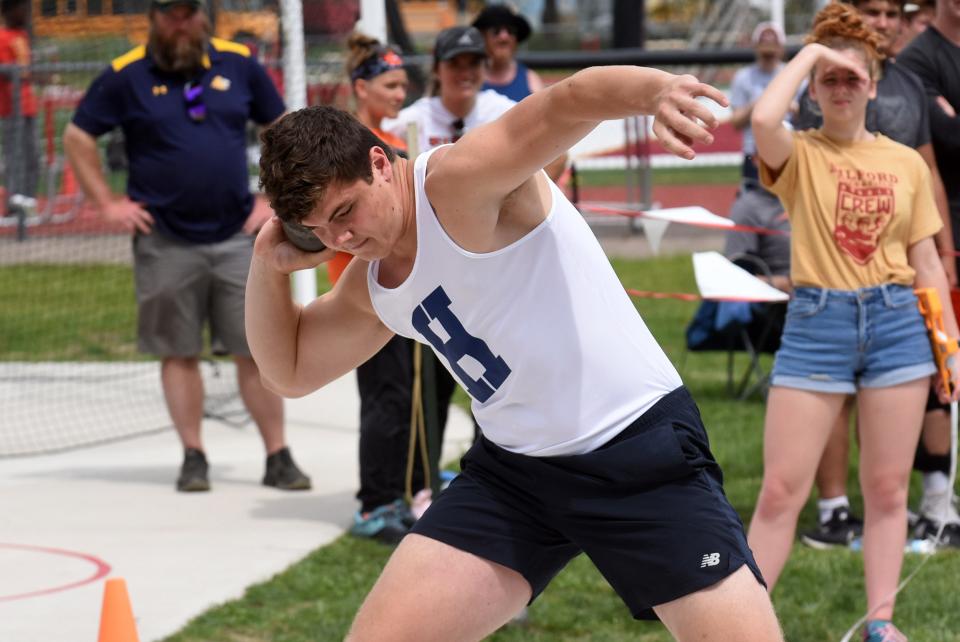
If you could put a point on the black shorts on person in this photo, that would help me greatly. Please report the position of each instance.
(647, 507)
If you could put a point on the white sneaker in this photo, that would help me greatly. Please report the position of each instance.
(27, 203)
(939, 507)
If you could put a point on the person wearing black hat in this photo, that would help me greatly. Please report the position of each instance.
(183, 102)
(503, 29)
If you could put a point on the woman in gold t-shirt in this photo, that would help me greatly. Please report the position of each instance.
(862, 216)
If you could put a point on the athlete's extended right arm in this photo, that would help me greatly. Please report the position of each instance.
(301, 348)
(498, 157)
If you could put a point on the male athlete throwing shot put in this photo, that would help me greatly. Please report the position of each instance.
(591, 443)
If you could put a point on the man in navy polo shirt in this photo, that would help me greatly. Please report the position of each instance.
(183, 102)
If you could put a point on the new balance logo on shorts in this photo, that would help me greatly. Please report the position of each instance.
(710, 559)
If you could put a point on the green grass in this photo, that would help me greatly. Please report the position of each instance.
(72, 313)
(87, 313)
(98, 48)
(707, 175)
(67, 313)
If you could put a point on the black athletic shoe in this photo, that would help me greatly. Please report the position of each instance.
(841, 529)
(193, 472)
(283, 473)
(403, 513)
(926, 528)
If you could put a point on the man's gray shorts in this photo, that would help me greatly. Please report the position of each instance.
(182, 286)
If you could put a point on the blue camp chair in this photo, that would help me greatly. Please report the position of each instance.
(739, 326)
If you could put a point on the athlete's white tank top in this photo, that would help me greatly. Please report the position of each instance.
(541, 333)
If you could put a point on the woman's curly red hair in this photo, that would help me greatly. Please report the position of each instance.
(839, 26)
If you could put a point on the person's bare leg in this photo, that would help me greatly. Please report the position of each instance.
(936, 432)
(890, 420)
(832, 472)
(430, 591)
(266, 407)
(183, 393)
(736, 609)
(796, 429)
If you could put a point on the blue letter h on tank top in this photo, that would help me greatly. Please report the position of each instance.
(460, 344)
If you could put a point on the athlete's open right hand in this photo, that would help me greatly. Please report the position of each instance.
(276, 251)
(680, 120)
(131, 215)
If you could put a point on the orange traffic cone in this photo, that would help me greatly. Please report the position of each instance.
(116, 617)
(69, 185)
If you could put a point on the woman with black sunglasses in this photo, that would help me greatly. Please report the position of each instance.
(457, 103)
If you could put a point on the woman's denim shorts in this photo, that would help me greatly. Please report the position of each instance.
(841, 340)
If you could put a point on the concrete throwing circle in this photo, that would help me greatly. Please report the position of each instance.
(43, 570)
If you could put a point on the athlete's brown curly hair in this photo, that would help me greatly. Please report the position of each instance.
(307, 151)
(839, 26)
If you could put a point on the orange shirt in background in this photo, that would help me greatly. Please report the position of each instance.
(15, 50)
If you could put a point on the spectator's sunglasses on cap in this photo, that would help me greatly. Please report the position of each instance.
(193, 99)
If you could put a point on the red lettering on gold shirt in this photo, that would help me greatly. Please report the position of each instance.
(863, 213)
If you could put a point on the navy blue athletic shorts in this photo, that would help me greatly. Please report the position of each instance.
(647, 507)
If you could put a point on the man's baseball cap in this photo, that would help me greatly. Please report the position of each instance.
(163, 5)
(503, 15)
(768, 35)
(458, 40)
(915, 6)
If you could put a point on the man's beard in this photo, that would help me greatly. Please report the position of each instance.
(181, 54)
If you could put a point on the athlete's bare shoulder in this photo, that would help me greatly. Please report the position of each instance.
(436, 157)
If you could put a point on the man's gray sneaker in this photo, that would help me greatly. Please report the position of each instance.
(283, 473)
(193, 472)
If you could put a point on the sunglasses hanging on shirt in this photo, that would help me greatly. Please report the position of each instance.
(457, 127)
(193, 99)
